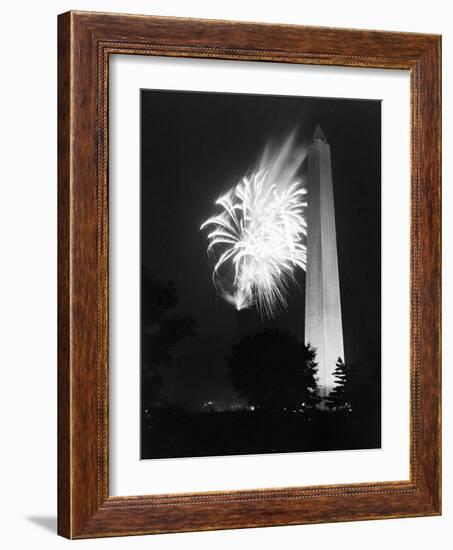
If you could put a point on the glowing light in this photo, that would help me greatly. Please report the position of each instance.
(258, 238)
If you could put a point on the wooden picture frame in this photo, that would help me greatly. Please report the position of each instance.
(85, 42)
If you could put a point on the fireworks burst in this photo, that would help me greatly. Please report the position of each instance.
(259, 235)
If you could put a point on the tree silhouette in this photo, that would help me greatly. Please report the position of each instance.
(161, 330)
(273, 370)
(341, 396)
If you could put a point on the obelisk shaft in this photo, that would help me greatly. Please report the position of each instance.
(323, 323)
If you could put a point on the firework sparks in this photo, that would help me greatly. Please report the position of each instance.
(259, 235)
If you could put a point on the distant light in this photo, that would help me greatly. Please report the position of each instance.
(252, 408)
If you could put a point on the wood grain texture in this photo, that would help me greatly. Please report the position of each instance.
(86, 40)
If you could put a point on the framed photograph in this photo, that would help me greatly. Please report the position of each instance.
(249, 275)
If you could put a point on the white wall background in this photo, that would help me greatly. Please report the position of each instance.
(28, 217)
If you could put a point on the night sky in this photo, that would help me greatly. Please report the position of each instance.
(194, 147)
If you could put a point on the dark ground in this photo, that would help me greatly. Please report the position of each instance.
(182, 434)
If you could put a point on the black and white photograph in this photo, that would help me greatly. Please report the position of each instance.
(260, 274)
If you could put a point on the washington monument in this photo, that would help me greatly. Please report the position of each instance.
(323, 326)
